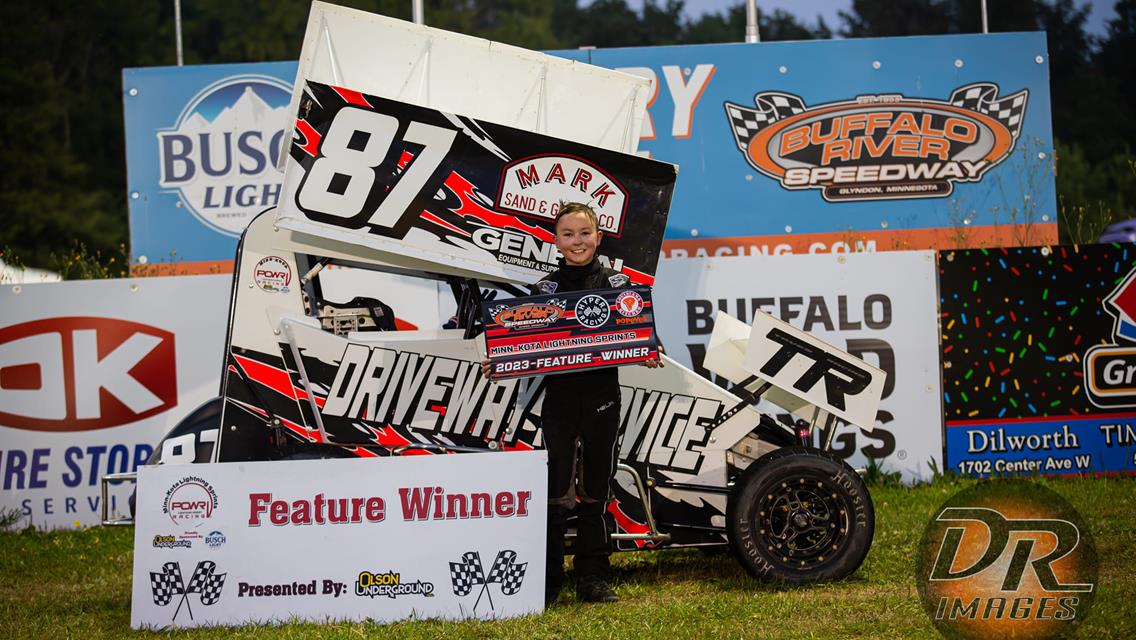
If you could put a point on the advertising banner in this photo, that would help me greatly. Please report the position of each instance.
(92, 375)
(1038, 347)
(461, 193)
(454, 537)
(785, 147)
(879, 307)
(202, 145)
(570, 331)
(864, 143)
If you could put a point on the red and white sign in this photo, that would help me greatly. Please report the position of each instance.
(92, 375)
(387, 539)
(82, 373)
(536, 186)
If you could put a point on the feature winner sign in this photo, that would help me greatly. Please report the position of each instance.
(446, 537)
(473, 196)
(569, 331)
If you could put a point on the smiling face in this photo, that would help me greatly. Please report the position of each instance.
(577, 238)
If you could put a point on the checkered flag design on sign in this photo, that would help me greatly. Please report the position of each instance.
(166, 584)
(467, 574)
(983, 97)
(206, 583)
(507, 572)
(746, 122)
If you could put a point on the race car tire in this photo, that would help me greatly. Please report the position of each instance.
(800, 515)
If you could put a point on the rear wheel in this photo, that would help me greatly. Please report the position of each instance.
(800, 515)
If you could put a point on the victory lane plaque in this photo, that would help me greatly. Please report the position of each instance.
(570, 331)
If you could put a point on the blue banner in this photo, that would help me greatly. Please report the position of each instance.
(783, 147)
(201, 148)
(920, 142)
(1055, 446)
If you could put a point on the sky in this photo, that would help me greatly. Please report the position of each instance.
(807, 10)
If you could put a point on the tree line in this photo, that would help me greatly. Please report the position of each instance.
(64, 177)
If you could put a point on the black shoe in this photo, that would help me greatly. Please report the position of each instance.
(595, 590)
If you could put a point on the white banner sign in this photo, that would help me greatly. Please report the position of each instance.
(879, 306)
(92, 375)
(450, 536)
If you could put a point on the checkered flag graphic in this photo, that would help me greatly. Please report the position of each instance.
(206, 583)
(501, 564)
(746, 122)
(166, 584)
(983, 97)
(467, 574)
(514, 576)
(507, 572)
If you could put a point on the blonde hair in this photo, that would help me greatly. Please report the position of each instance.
(568, 208)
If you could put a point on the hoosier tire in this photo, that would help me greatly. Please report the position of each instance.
(800, 515)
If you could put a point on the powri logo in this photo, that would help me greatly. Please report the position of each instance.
(272, 274)
(221, 154)
(879, 146)
(189, 501)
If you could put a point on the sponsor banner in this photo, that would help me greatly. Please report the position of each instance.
(879, 307)
(462, 193)
(92, 375)
(895, 143)
(1038, 357)
(860, 135)
(433, 537)
(202, 146)
(1043, 446)
(571, 331)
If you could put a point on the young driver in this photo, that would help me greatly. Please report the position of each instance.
(580, 409)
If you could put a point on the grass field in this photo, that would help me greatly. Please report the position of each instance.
(77, 584)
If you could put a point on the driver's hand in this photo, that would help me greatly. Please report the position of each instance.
(657, 363)
(485, 367)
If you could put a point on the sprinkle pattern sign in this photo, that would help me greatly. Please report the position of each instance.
(1037, 344)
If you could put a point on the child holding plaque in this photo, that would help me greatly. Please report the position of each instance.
(580, 407)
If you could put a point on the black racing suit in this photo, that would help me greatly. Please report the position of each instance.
(580, 408)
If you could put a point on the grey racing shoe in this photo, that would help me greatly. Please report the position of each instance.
(594, 589)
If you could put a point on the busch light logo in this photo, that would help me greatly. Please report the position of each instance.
(221, 156)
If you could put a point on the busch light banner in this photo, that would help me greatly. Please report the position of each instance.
(856, 144)
(463, 193)
(92, 375)
(1039, 355)
(450, 537)
(202, 150)
(571, 331)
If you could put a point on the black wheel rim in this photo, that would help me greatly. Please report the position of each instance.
(802, 523)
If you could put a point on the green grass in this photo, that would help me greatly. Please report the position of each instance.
(77, 584)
